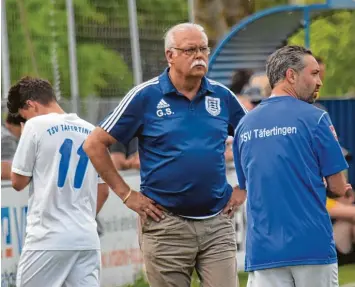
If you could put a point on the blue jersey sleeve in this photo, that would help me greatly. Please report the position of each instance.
(126, 120)
(236, 112)
(327, 148)
(238, 160)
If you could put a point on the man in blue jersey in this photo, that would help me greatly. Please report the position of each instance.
(282, 151)
(182, 120)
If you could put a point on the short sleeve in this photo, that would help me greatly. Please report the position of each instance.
(327, 148)
(238, 161)
(100, 180)
(124, 122)
(25, 156)
(236, 112)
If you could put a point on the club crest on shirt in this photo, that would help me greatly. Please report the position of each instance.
(213, 105)
(333, 131)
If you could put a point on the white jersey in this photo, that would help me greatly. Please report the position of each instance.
(63, 189)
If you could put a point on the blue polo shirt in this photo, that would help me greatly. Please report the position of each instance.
(282, 150)
(181, 142)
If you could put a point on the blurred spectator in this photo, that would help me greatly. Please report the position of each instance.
(341, 210)
(239, 80)
(261, 81)
(13, 124)
(347, 154)
(254, 90)
(254, 95)
(321, 68)
(246, 102)
(342, 213)
(125, 157)
(8, 148)
(10, 133)
(321, 65)
(250, 89)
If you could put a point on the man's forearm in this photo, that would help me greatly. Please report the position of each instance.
(103, 164)
(6, 170)
(343, 212)
(19, 182)
(336, 184)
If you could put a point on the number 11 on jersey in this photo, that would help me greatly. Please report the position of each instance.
(66, 150)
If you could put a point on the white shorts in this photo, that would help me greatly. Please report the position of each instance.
(56, 268)
(296, 276)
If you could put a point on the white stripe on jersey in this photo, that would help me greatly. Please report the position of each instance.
(321, 117)
(110, 122)
(223, 86)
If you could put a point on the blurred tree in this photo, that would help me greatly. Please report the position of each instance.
(31, 41)
(328, 40)
(101, 66)
(154, 18)
(333, 39)
(147, 12)
(218, 16)
(162, 14)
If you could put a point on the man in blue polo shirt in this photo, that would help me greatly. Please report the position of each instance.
(182, 120)
(283, 149)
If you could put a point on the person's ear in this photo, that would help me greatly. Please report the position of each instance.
(169, 57)
(291, 75)
(30, 104)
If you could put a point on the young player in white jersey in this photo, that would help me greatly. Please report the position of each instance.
(62, 246)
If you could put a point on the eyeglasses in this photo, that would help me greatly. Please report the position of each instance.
(194, 50)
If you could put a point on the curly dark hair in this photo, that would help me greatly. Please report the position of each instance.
(14, 119)
(28, 88)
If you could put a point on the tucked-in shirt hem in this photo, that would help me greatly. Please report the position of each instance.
(201, 217)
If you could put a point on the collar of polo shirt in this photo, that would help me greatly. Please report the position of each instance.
(167, 86)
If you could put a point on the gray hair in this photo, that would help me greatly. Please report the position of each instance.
(169, 39)
(287, 57)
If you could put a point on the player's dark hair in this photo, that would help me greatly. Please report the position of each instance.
(14, 119)
(28, 88)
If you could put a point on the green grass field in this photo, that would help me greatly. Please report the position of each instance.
(346, 276)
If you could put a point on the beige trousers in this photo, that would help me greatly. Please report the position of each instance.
(173, 247)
